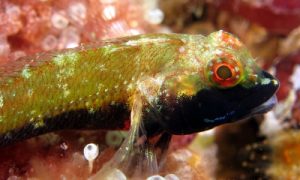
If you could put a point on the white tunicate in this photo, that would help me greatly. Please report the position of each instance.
(154, 16)
(77, 13)
(49, 42)
(109, 13)
(59, 21)
(156, 177)
(91, 151)
(171, 177)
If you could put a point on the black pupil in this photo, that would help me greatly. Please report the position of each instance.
(224, 72)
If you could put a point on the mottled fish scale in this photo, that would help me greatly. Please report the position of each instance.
(85, 78)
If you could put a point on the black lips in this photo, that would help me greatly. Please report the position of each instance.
(212, 107)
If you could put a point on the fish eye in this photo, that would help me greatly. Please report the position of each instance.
(224, 72)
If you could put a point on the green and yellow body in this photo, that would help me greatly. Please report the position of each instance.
(95, 85)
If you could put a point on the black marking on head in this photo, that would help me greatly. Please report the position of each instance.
(212, 107)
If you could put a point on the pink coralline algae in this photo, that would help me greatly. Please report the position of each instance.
(278, 16)
(27, 27)
(284, 69)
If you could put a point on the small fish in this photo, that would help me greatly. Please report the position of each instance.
(156, 83)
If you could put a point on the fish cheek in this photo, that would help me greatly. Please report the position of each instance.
(190, 114)
(211, 107)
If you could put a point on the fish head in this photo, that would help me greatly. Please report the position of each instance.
(230, 87)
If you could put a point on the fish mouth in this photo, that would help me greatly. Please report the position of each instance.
(265, 107)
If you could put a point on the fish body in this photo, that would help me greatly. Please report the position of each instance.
(185, 84)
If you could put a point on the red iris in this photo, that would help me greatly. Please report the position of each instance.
(225, 73)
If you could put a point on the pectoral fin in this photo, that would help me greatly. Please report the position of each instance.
(138, 154)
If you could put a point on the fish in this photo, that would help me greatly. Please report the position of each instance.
(151, 84)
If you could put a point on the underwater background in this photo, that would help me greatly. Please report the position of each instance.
(262, 147)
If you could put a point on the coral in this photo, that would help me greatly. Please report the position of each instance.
(35, 26)
(278, 16)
